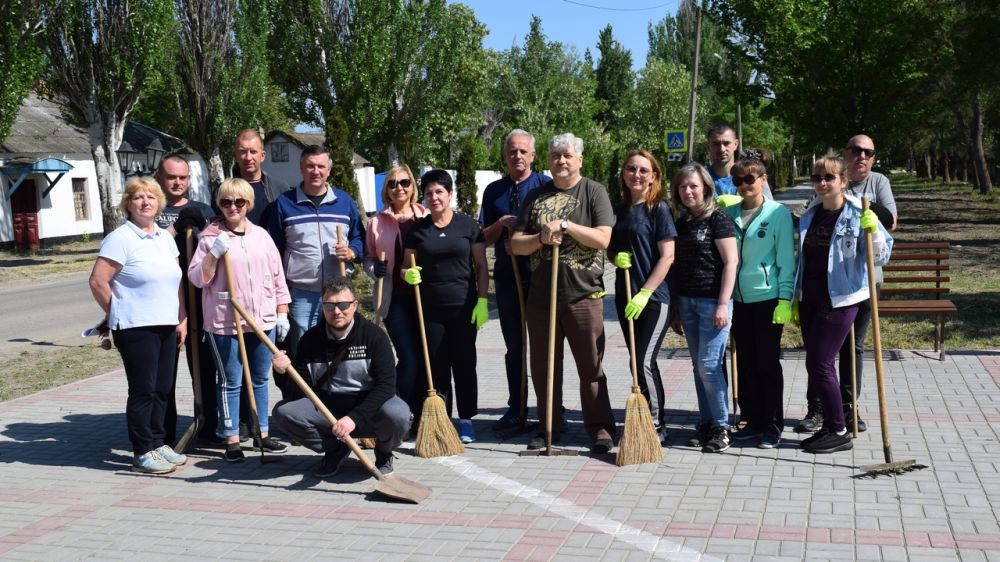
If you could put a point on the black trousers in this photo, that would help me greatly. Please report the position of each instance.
(758, 361)
(148, 355)
(451, 344)
(207, 374)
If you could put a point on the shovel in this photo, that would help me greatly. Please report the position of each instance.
(199, 416)
(391, 486)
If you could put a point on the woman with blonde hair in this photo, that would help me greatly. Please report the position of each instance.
(259, 284)
(136, 280)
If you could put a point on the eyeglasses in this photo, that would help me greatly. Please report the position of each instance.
(403, 183)
(342, 305)
(858, 151)
(227, 203)
(747, 179)
(633, 169)
(816, 178)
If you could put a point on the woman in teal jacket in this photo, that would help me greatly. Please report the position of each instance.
(765, 282)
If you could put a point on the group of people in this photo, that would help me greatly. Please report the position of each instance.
(716, 247)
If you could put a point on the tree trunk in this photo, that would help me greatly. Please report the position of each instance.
(979, 156)
(103, 135)
(945, 167)
(392, 154)
(927, 165)
(216, 172)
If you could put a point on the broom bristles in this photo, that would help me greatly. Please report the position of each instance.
(639, 443)
(437, 436)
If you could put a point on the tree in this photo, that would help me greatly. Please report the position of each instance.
(342, 157)
(465, 182)
(101, 53)
(615, 81)
(22, 56)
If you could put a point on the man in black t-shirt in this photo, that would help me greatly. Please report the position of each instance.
(174, 177)
(574, 213)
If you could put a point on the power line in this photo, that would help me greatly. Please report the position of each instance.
(619, 9)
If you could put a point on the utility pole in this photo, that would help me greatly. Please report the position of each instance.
(694, 82)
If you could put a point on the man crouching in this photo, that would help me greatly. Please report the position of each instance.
(349, 363)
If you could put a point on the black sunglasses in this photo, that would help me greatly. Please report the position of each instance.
(226, 203)
(404, 183)
(858, 151)
(747, 179)
(816, 178)
(342, 305)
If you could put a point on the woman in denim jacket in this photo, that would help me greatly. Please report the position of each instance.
(832, 278)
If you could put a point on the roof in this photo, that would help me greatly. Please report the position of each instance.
(303, 140)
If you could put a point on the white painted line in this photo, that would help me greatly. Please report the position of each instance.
(658, 547)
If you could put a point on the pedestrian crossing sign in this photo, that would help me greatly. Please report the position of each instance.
(675, 140)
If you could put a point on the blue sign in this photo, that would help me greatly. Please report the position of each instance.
(675, 140)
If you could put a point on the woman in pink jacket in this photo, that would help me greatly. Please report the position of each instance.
(386, 232)
(260, 288)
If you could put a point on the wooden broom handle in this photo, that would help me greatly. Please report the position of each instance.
(423, 332)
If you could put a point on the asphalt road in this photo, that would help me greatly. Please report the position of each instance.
(48, 313)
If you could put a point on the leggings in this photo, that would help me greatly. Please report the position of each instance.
(650, 328)
(824, 329)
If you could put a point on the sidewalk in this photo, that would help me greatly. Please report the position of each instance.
(68, 493)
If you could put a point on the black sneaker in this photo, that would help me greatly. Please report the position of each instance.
(812, 422)
(701, 435)
(271, 446)
(383, 462)
(331, 462)
(509, 420)
(849, 420)
(244, 433)
(602, 446)
(829, 442)
(746, 434)
(538, 442)
(234, 453)
(718, 442)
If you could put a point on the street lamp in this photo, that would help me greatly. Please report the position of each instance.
(126, 157)
(154, 153)
(131, 167)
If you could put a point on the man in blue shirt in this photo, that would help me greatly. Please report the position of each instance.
(498, 214)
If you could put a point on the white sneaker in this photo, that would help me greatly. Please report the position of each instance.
(151, 463)
(170, 455)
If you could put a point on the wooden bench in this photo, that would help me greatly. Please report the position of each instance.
(915, 282)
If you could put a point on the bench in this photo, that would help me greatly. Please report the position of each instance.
(915, 282)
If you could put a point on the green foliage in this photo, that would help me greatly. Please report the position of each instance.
(22, 56)
(615, 80)
(465, 182)
(342, 157)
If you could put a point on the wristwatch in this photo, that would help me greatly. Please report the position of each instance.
(564, 225)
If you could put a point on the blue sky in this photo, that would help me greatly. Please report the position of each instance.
(574, 22)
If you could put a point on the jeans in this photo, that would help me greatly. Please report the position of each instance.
(401, 323)
(707, 345)
(230, 382)
(303, 313)
(148, 355)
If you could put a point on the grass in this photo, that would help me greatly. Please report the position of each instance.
(37, 370)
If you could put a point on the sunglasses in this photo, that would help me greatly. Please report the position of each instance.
(816, 178)
(747, 179)
(858, 151)
(633, 169)
(342, 305)
(404, 183)
(227, 203)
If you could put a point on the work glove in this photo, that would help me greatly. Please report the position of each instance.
(282, 327)
(869, 221)
(623, 260)
(634, 307)
(479, 313)
(782, 312)
(795, 312)
(379, 268)
(221, 245)
(728, 200)
(412, 276)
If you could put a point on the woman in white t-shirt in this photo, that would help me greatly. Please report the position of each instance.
(136, 281)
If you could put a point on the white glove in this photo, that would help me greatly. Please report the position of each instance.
(282, 327)
(221, 245)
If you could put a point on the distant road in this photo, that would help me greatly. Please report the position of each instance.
(52, 311)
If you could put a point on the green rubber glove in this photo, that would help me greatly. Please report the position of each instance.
(728, 200)
(479, 313)
(412, 276)
(782, 312)
(634, 307)
(623, 260)
(795, 312)
(869, 221)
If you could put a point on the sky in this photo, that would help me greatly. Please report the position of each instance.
(574, 22)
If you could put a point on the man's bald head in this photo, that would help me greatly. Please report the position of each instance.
(859, 155)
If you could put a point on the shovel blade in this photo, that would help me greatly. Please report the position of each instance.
(399, 488)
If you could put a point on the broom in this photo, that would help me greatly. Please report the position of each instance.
(436, 436)
(639, 443)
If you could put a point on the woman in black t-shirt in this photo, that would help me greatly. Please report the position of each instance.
(451, 269)
(704, 273)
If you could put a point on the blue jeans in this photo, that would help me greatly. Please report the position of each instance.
(401, 323)
(707, 345)
(230, 382)
(303, 313)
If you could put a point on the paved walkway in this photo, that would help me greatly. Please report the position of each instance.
(67, 492)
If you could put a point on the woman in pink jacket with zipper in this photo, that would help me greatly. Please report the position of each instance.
(260, 288)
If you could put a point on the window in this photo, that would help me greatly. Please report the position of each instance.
(80, 204)
(279, 152)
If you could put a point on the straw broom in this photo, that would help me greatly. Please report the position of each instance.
(639, 443)
(437, 436)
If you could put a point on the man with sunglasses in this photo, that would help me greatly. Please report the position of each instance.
(501, 204)
(249, 154)
(348, 362)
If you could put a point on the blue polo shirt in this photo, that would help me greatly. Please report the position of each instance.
(144, 291)
(497, 202)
